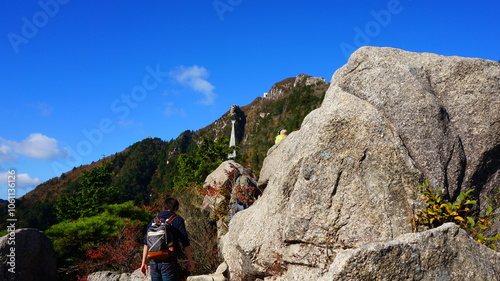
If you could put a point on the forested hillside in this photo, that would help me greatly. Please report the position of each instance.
(120, 190)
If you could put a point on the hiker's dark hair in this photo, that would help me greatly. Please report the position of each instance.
(171, 204)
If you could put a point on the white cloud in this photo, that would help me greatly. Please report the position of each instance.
(24, 183)
(25, 180)
(36, 146)
(7, 154)
(194, 77)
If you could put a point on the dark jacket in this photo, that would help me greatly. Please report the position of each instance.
(178, 230)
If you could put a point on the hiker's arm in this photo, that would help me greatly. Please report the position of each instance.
(144, 265)
(189, 255)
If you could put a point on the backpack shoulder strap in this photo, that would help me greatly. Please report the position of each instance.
(171, 219)
(156, 220)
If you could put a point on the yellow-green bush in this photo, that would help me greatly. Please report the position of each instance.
(440, 211)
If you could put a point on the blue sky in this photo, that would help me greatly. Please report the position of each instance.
(83, 79)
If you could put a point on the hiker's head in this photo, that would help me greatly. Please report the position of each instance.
(171, 204)
(283, 132)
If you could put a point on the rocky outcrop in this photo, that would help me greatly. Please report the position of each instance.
(221, 178)
(306, 80)
(219, 275)
(27, 254)
(278, 90)
(116, 276)
(218, 186)
(348, 178)
(443, 253)
(444, 109)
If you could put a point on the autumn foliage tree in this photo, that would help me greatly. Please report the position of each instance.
(120, 253)
(107, 241)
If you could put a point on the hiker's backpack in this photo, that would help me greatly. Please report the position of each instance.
(160, 240)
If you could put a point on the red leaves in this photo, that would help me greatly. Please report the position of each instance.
(245, 194)
(121, 253)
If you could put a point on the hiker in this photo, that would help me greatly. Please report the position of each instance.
(168, 269)
(244, 192)
(283, 133)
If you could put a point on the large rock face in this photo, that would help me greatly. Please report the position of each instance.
(33, 257)
(445, 110)
(414, 256)
(349, 176)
